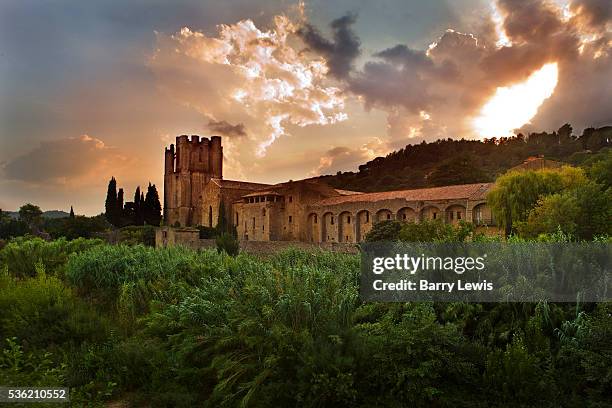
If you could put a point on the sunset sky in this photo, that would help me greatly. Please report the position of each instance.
(94, 89)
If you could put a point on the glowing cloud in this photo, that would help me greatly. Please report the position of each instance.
(514, 106)
(250, 76)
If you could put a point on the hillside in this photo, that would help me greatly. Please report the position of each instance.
(51, 214)
(448, 162)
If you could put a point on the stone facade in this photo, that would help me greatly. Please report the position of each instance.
(299, 211)
(189, 237)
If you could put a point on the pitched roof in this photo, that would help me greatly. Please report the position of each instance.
(239, 185)
(347, 192)
(464, 191)
(261, 192)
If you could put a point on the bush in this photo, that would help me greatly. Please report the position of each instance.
(10, 228)
(134, 235)
(387, 230)
(131, 276)
(21, 255)
(44, 313)
(424, 231)
(227, 243)
(76, 227)
(36, 369)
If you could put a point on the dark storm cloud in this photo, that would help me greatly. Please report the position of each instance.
(227, 129)
(401, 54)
(339, 53)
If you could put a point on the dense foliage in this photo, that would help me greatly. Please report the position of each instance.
(575, 200)
(423, 231)
(177, 327)
(446, 162)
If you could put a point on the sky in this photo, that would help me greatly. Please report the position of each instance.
(91, 90)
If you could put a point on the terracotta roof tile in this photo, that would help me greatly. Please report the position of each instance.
(347, 192)
(464, 191)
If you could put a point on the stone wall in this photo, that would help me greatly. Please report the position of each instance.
(270, 247)
(190, 237)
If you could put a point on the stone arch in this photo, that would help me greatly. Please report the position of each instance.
(383, 215)
(430, 212)
(363, 224)
(406, 214)
(482, 215)
(314, 230)
(346, 222)
(454, 213)
(328, 227)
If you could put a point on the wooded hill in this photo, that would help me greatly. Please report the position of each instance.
(449, 162)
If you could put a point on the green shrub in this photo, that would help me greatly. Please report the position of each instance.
(423, 231)
(134, 235)
(44, 313)
(131, 276)
(36, 369)
(227, 243)
(22, 254)
(76, 227)
(10, 228)
(387, 230)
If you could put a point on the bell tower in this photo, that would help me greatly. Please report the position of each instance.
(188, 168)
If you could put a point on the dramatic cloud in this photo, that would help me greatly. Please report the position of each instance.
(339, 53)
(592, 13)
(248, 76)
(441, 90)
(71, 161)
(226, 129)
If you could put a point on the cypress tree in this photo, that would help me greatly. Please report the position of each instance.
(71, 212)
(119, 220)
(138, 217)
(152, 206)
(221, 219)
(110, 206)
(120, 201)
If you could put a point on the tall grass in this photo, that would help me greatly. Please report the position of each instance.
(22, 254)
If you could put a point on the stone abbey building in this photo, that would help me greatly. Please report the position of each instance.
(305, 210)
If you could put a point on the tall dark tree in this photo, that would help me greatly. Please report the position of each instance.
(32, 215)
(71, 212)
(138, 207)
(120, 202)
(152, 206)
(123, 216)
(110, 206)
(222, 224)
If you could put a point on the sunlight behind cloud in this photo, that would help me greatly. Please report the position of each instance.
(513, 106)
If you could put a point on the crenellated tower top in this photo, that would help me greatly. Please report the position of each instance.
(195, 155)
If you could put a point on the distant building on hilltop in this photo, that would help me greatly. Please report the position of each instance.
(304, 210)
